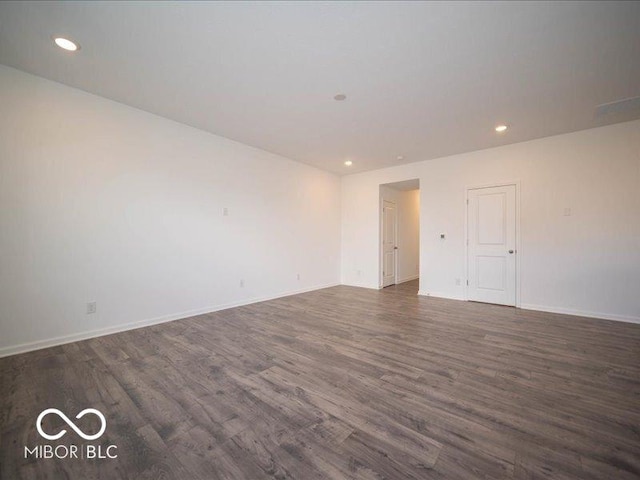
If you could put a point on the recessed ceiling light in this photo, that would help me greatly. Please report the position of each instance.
(501, 128)
(348, 163)
(340, 97)
(66, 44)
(400, 157)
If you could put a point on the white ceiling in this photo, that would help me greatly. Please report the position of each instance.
(423, 80)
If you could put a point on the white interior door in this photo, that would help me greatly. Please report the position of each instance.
(491, 253)
(389, 245)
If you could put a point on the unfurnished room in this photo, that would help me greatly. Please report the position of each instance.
(319, 240)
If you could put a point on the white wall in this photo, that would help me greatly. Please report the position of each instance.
(102, 202)
(587, 263)
(408, 234)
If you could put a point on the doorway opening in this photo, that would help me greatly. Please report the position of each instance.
(399, 232)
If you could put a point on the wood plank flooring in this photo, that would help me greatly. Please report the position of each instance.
(339, 383)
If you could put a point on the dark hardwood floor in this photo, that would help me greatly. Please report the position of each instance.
(338, 383)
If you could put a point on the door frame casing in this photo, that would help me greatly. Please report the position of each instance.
(381, 244)
(515, 183)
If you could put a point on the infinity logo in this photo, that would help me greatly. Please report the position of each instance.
(71, 424)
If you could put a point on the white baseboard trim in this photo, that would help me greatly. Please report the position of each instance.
(361, 286)
(380, 287)
(409, 278)
(75, 337)
(440, 295)
(581, 313)
(544, 308)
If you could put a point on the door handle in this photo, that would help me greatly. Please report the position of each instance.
(395, 248)
(510, 251)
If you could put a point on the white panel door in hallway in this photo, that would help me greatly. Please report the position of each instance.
(389, 243)
(491, 253)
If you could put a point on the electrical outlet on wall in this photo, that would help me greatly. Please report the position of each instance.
(92, 307)
(298, 276)
(458, 282)
(241, 283)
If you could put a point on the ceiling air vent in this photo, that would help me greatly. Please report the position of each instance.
(619, 106)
